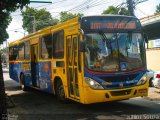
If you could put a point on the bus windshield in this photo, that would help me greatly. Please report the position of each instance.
(108, 52)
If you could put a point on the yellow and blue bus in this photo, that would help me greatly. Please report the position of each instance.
(87, 59)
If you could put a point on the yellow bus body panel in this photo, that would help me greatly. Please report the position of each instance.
(95, 96)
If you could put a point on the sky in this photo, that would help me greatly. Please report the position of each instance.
(87, 7)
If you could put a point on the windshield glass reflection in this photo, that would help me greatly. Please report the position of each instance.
(114, 51)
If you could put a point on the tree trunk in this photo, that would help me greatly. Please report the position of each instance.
(3, 107)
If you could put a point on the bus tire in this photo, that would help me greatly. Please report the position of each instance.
(151, 82)
(22, 80)
(60, 91)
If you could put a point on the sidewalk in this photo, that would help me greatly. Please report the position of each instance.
(5, 70)
(153, 94)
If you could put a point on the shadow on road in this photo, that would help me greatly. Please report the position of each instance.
(35, 105)
(11, 85)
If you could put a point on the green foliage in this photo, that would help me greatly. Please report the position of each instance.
(43, 19)
(6, 7)
(158, 8)
(123, 11)
(4, 54)
(64, 16)
(115, 10)
(3, 25)
(111, 10)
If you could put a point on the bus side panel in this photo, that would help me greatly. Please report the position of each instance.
(45, 75)
(26, 70)
(14, 70)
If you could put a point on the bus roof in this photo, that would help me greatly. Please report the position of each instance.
(46, 30)
(109, 15)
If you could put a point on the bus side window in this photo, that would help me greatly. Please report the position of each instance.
(13, 53)
(21, 51)
(10, 53)
(58, 45)
(27, 50)
(46, 47)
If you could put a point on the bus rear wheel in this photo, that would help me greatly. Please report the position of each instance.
(23, 86)
(60, 91)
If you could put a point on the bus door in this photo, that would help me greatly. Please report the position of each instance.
(34, 65)
(72, 66)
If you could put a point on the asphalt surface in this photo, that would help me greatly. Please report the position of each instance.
(37, 105)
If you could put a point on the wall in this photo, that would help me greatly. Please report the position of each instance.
(153, 59)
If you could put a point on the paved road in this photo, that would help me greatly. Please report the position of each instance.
(35, 105)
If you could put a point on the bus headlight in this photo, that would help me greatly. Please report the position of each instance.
(93, 84)
(143, 80)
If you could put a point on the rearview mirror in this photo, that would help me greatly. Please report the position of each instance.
(145, 37)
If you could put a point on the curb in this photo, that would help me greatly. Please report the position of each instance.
(152, 99)
(157, 91)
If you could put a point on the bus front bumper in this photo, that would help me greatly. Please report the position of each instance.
(94, 96)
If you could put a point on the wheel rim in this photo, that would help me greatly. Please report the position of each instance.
(22, 86)
(22, 82)
(22, 79)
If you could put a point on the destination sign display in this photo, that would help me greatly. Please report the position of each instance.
(113, 25)
(110, 24)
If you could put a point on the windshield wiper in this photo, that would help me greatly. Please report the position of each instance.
(104, 38)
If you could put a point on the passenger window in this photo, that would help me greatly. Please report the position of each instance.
(46, 47)
(13, 53)
(27, 50)
(58, 45)
(21, 51)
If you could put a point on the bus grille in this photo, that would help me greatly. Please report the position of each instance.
(118, 85)
(120, 93)
(121, 78)
(118, 80)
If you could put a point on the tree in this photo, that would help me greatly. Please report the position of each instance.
(4, 55)
(3, 25)
(158, 8)
(64, 16)
(42, 18)
(115, 10)
(6, 7)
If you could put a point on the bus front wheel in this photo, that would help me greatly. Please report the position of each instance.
(23, 86)
(60, 91)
